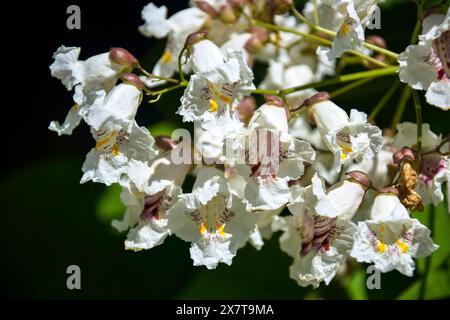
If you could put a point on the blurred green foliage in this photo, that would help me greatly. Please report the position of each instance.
(50, 221)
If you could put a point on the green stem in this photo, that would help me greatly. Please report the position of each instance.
(162, 91)
(423, 284)
(331, 81)
(419, 119)
(382, 103)
(149, 75)
(349, 87)
(419, 22)
(316, 13)
(406, 92)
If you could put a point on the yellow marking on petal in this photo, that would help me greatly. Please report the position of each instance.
(382, 228)
(403, 246)
(345, 151)
(115, 150)
(345, 30)
(75, 107)
(166, 57)
(381, 247)
(202, 229)
(220, 229)
(102, 142)
(213, 105)
(225, 99)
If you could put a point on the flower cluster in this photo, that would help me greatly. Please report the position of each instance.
(333, 183)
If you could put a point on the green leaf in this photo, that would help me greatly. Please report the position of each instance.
(356, 286)
(162, 128)
(109, 205)
(438, 287)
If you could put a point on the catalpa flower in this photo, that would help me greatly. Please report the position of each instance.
(434, 168)
(349, 138)
(391, 239)
(108, 161)
(319, 245)
(176, 28)
(98, 73)
(218, 81)
(426, 66)
(268, 157)
(153, 190)
(350, 36)
(212, 219)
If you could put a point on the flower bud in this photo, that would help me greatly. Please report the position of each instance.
(318, 97)
(131, 78)
(165, 143)
(261, 33)
(404, 154)
(246, 108)
(253, 45)
(122, 57)
(207, 8)
(227, 13)
(195, 37)
(391, 189)
(377, 40)
(360, 177)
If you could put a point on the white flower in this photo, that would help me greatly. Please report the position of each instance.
(212, 219)
(343, 199)
(210, 135)
(349, 138)
(97, 73)
(434, 169)
(108, 162)
(300, 128)
(318, 244)
(73, 117)
(350, 36)
(218, 82)
(154, 190)
(268, 157)
(177, 28)
(391, 239)
(426, 66)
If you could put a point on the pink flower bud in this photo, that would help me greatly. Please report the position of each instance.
(246, 108)
(227, 13)
(131, 78)
(207, 8)
(122, 57)
(195, 37)
(360, 177)
(165, 143)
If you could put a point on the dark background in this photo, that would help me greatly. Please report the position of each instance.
(49, 221)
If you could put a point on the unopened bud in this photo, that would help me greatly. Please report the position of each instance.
(262, 34)
(165, 143)
(227, 13)
(122, 57)
(195, 37)
(277, 102)
(360, 177)
(404, 154)
(131, 78)
(207, 8)
(253, 45)
(391, 190)
(246, 108)
(377, 40)
(318, 97)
